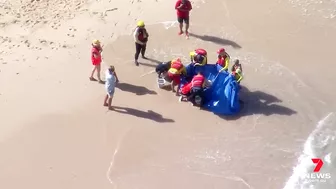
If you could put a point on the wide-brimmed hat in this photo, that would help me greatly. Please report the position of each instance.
(95, 42)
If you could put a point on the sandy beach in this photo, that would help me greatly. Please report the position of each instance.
(55, 133)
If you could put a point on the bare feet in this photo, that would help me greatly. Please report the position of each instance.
(111, 108)
(136, 63)
(92, 79)
(105, 104)
(101, 82)
(180, 33)
(187, 34)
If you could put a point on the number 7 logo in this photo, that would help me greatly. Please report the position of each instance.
(318, 163)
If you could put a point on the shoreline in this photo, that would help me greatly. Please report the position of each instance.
(59, 112)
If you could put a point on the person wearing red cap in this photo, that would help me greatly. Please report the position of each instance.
(223, 59)
(183, 8)
(199, 56)
(174, 73)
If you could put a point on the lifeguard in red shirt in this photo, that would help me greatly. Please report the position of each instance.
(183, 8)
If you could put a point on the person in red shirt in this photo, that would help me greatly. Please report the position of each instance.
(96, 59)
(183, 8)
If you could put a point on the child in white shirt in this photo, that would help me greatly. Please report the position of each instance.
(111, 79)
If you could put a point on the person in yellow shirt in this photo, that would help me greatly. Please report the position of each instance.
(199, 56)
(238, 75)
(223, 59)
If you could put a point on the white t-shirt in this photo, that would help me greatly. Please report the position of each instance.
(110, 81)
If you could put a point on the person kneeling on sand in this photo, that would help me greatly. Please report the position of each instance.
(110, 83)
(174, 73)
(196, 86)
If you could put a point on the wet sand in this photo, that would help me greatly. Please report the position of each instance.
(55, 133)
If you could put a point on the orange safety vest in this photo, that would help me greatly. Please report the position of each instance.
(176, 67)
(197, 81)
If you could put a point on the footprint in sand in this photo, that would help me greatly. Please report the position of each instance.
(71, 31)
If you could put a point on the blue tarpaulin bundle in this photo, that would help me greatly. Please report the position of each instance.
(223, 95)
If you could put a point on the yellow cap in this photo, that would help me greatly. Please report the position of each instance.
(96, 42)
(141, 23)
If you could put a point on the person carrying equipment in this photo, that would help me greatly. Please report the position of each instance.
(223, 59)
(199, 56)
(174, 73)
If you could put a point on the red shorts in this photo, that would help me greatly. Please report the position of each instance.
(96, 61)
(175, 77)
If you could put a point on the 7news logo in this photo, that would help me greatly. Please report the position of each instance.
(317, 176)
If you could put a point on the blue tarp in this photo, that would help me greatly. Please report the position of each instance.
(223, 95)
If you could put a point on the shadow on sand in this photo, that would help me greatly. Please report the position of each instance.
(138, 90)
(216, 40)
(142, 114)
(258, 102)
(151, 60)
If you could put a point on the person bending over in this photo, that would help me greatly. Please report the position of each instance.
(174, 73)
(162, 68)
(199, 56)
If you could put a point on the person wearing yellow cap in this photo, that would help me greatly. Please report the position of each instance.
(96, 59)
(140, 38)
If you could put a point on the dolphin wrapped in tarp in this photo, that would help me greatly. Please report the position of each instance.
(222, 97)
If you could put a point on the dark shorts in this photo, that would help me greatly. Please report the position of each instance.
(181, 20)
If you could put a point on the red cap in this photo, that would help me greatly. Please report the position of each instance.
(221, 50)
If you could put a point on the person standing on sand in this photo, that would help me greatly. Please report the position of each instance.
(183, 7)
(140, 38)
(110, 83)
(96, 59)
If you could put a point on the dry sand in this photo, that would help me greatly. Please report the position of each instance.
(55, 133)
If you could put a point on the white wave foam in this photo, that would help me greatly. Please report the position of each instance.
(319, 144)
(323, 8)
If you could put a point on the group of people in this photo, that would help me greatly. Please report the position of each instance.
(174, 70)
